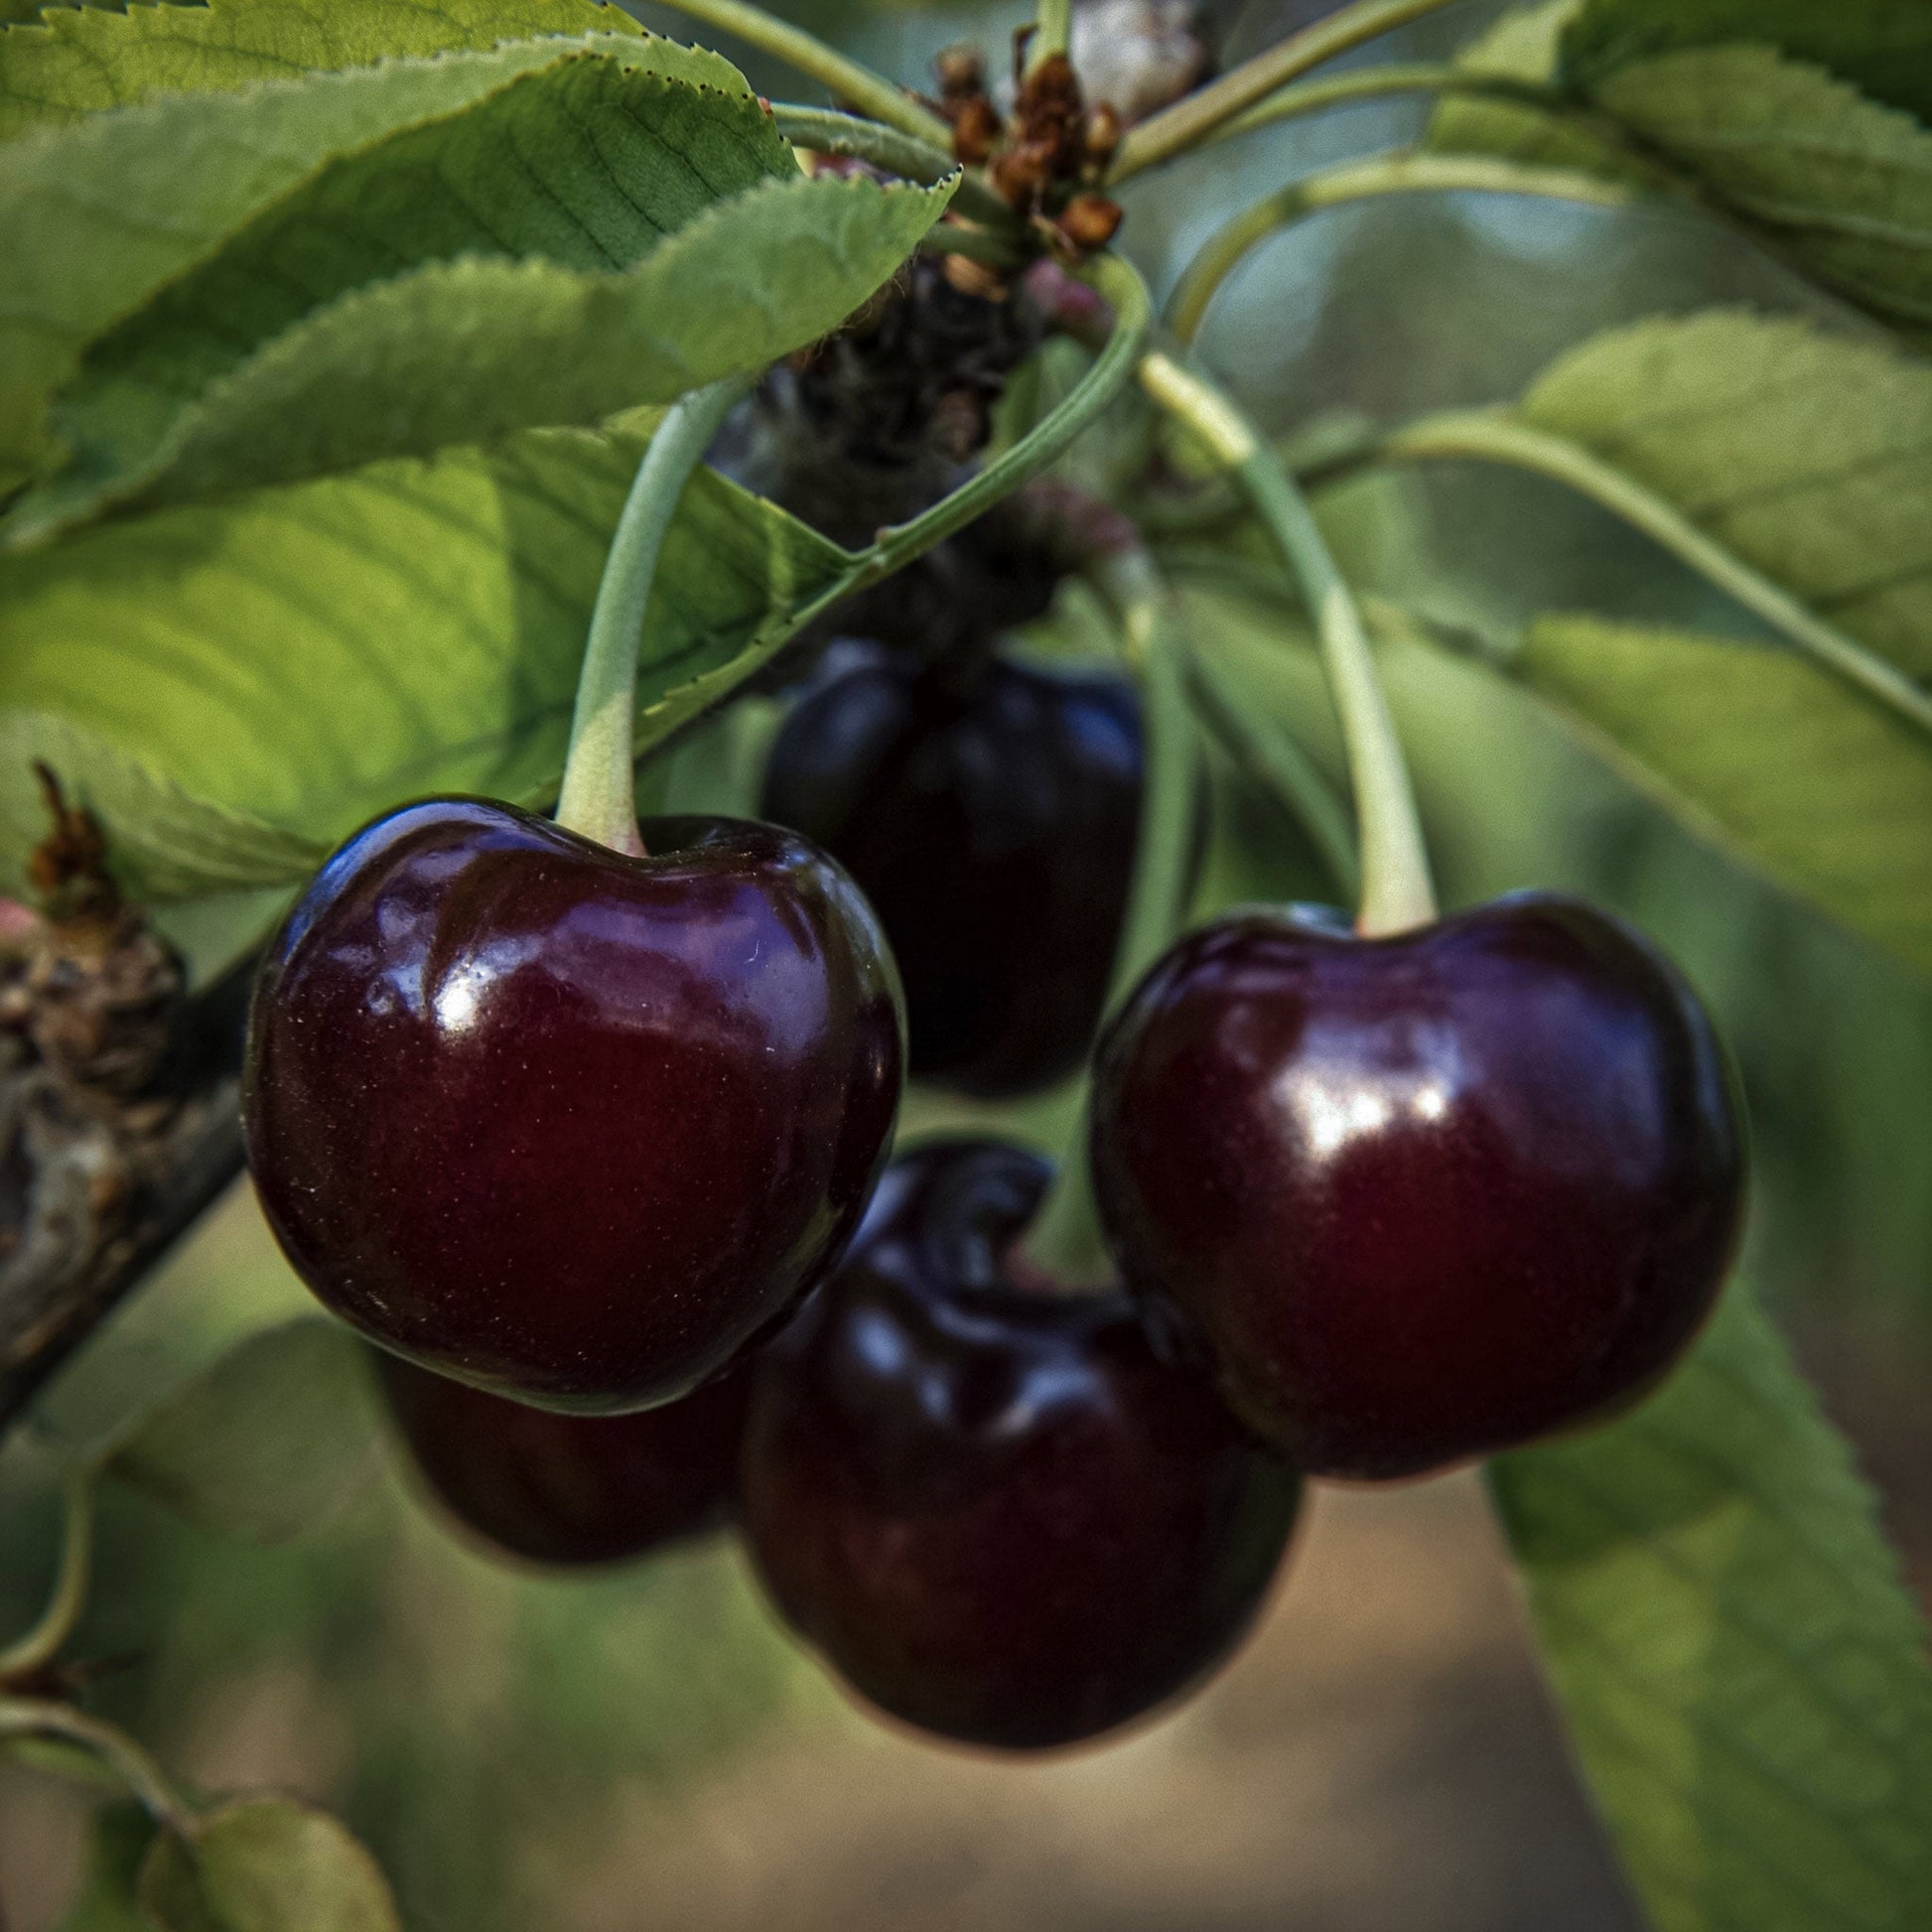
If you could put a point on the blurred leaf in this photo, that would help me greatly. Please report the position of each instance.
(1803, 141)
(311, 656)
(77, 62)
(1884, 47)
(1776, 760)
(1842, 184)
(467, 350)
(265, 1864)
(118, 1837)
(164, 844)
(1743, 1675)
(1807, 454)
(1523, 46)
(268, 1443)
(535, 148)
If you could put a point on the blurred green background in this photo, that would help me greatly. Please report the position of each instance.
(644, 1747)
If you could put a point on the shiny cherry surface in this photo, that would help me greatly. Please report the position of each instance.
(1427, 1196)
(999, 1513)
(568, 1125)
(989, 815)
(569, 1489)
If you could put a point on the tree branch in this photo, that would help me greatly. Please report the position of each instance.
(120, 1123)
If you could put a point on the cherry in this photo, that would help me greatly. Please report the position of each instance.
(991, 816)
(998, 1512)
(565, 1124)
(569, 1489)
(1426, 1196)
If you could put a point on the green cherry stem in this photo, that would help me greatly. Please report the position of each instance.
(1365, 181)
(1387, 83)
(1065, 1242)
(1194, 117)
(1053, 30)
(806, 53)
(600, 789)
(113, 1748)
(1397, 893)
(41, 1644)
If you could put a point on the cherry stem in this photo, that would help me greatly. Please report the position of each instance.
(112, 1747)
(41, 1644)
(1065, 1242)
(806, 53)
(1053, 30)
(1398, 173)
(1195, 117)
(1396, 890)
(600, 789)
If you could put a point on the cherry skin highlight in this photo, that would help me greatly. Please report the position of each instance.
(1000, 1513)
(567, 1125)
(1422, 1197)
(569, 1489)
(990, 813)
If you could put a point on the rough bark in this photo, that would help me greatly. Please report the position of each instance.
(119, 1125)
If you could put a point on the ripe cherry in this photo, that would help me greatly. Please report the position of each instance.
(998, 1512)
(990, 814)
(1426, 1196)
(566, 1124)
(569, 1489)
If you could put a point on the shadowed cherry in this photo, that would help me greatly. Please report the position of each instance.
(1427, 1196)
(569, 1125)
(990, 813)
(1000, 1513)
(569, 1489)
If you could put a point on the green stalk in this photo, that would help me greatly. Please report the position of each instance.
(1052, 31)
(806, 53)
(63, 1724)
(41, 1644)
(1484, 437)
(1381, 84)
(1065, 1242)
(1397, 893)
(1190, 120)
(1273, 756)
(600, 787)
(1362, 181)
(824, 130)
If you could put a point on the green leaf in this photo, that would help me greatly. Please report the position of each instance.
(468, 351)
(1523, 46)
(119, 1835)
(1807, 454)
(269, 1442)
(1776, 759)
(1882, 47)
(162, 843)
(77, 62)
(1743, 1675)
(265, 1864)
(1839, 183)
(96, 216)
(311, 656)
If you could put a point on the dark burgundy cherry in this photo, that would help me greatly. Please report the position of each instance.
(1426, 1196)
(999, 1513)
(568, 1125)
(569, 1489)
(989, 815)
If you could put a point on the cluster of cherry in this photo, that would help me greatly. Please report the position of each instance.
(579, 1130)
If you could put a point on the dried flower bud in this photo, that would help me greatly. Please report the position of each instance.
(976, 131)
(1089, 221)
